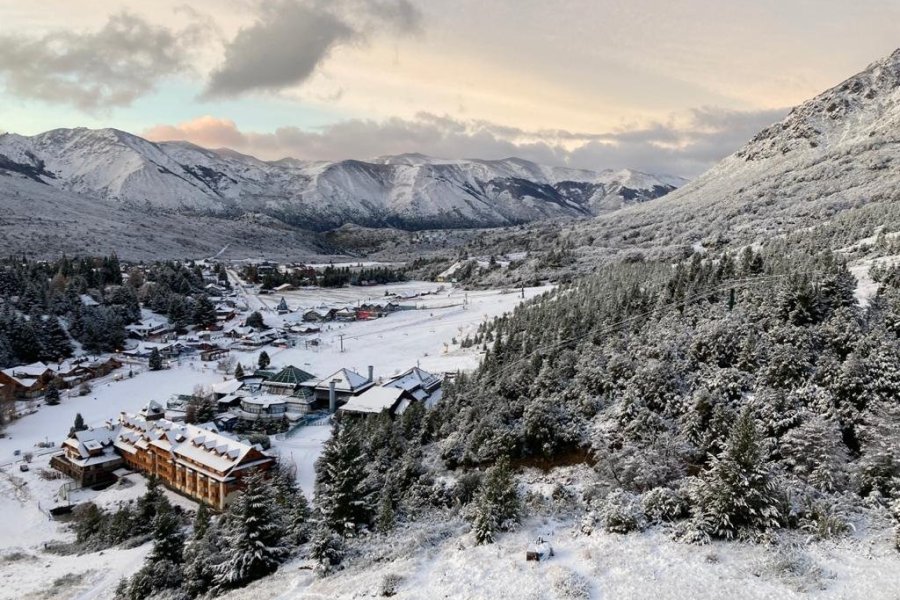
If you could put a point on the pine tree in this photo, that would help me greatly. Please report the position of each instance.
(342, 500)
(204, 312)
(51, 393)
(253, 535)
(327, 549)
(155, 362)
(239, 372)
(168, 538)
(255, 321)
(497, 505)
(201, 521)
(736, 496)
(385, 517)
(264, 359)
(202, 555)
(78, 425)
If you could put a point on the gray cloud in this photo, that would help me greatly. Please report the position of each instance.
(290, 38)
(685, 146)
(113, 66)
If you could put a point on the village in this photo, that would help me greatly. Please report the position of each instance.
(202, 409)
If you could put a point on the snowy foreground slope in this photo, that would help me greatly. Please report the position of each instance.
(407, 191)
(440, 560)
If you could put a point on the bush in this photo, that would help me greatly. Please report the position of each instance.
(824, 520)
(664, 504)
(389, 584)
(261, 439)
(570, 585)
(621, 512)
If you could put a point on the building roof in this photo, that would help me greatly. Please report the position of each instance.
(264, 400)
(414, 379)
(92, 439)
(27, 375)
(290, 376)
(217, 453)
(374, 400)
(346, 381)
(227, 387)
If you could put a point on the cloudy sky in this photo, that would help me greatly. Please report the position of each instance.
(650, 84)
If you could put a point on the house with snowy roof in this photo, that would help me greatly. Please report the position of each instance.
(89, 457)
(200, 463)
(318, 314)
(397, 394)
(27, 381)
(378, 399)
(421, 385)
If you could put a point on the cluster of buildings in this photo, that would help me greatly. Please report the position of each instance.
(30, 381)
(292, 394)
(206, 462)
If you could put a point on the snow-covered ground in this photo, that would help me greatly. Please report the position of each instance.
(600, 566)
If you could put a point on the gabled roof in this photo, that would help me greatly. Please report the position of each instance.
(290, 376)
(413, 379)
(218, 453)
(346, 381)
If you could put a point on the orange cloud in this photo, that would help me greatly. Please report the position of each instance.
(206, 131)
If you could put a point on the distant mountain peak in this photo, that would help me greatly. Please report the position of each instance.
(411, 191)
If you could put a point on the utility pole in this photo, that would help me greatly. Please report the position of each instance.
(523, 291)
(342, 342)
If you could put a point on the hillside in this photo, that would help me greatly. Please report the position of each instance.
(832, 154)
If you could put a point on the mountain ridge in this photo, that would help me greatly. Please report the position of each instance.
(410, 191)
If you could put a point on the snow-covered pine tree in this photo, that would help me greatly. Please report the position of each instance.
(264, 360)
(168, 537)
(815, 453)
(737, 496)
(253, 536)
(327, 549)
(343, 502)
(239, 372)
(496, 505)
(294, 503)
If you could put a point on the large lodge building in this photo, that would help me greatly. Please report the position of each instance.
(200, 463)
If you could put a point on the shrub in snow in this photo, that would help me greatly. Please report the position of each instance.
(389, 584)
(825, 518)
(569, 585)
(622, 512)
(664, 504)
(795, 566)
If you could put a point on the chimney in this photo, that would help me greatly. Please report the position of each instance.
(332, 397)
(371, 373)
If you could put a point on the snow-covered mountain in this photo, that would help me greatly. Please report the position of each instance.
(836, 152)
(407, 191)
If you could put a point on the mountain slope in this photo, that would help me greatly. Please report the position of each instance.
(408, 191)
(834, 153)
